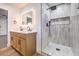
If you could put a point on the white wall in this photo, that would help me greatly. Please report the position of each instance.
(37, 21)
(12, 14)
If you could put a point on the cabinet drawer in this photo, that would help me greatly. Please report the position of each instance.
(32, 35)
(20, 35)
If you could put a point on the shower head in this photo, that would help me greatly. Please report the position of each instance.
(52, 6)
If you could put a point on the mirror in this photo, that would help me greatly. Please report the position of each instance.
(27, 18)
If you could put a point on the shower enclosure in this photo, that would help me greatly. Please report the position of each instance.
(3, 28)
(60, 29)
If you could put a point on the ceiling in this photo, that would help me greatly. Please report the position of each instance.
(17, 5)
(21, 5)
(53, 4)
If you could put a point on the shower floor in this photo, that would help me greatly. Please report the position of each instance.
(57, 50)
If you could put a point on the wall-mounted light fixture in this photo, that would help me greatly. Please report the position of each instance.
(14, 22)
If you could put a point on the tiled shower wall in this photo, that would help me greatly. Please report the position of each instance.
(67, 34)
(3, 31)
(59, 34)
(75, 34)
(3, 41)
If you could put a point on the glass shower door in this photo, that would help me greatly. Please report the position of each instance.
(56, 38)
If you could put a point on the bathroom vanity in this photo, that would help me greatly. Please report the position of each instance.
(24, 43)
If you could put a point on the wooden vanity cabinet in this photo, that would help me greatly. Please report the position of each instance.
(24, 43)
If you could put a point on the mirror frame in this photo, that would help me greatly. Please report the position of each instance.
(33, 14)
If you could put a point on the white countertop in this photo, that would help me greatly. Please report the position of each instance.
(24, 32)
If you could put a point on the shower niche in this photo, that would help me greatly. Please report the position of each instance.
(61, 21)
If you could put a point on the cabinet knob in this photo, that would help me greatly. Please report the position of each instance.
(19, 42)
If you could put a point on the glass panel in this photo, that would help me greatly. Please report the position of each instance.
(60, 29)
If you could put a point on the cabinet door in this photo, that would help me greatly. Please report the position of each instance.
(31, 44)
(23, 48)
(18, 43)
(13, 42)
